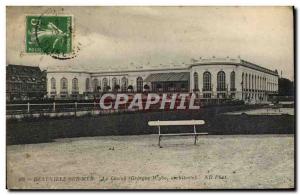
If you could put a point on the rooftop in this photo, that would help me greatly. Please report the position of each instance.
(22, 70)
(182, 66)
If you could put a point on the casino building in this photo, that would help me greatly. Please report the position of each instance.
(213, 78)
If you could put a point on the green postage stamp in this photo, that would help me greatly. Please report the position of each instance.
(49, 34)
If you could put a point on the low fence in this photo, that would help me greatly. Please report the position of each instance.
(54, 108)
(94, 107)
(48, 107)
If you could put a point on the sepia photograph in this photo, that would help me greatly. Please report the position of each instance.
(150, 98)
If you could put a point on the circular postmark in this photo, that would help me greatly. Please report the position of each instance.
(53, 34)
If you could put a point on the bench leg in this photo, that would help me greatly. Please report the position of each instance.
(159, 138)
(195, 135)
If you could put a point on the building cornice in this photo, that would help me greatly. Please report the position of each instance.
(118, 71)
(201, 62)
(236, 62)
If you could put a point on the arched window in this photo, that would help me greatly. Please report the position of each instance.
(95, 84)
(232, 81)
(206, 81)
(75, 84)
(114, 83)
(87, 84)
(64, 84)
(221, 85)
(139, 84)
(196, 81)
(105, 84)
(124, 84)
(53, 83)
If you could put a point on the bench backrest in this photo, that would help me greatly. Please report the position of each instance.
(175, 123)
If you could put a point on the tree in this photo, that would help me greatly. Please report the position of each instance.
(98, 88)
(130, 87)
(117, 87)
(108, 88)
(285, 87)
(146, 87)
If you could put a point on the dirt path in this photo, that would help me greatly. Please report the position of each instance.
(246, 161)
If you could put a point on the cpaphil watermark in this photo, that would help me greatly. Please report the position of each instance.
(139, 101)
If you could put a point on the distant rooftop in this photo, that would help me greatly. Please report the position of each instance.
(22, 69)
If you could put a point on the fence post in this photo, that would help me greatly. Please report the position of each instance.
(53, 106)
(75, 108)
(94, 108)
(28, 107)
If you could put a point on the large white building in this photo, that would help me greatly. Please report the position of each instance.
(208, 78)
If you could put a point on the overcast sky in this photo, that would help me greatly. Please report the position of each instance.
(120, 37)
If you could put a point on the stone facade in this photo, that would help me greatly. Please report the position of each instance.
(209, 78)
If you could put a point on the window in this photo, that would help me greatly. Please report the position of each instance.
(53, 83)
(232, 81)
(95, 84)
(196, 81)
(206, 81)
(87, 84)
(75, 84)
(64, 84)
(139, 84)
(104, 83)
(114, 83)
(124, 84)
(221, 85)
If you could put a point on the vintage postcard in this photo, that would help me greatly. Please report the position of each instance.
(150, 98)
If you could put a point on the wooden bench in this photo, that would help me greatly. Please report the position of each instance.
(177, 123)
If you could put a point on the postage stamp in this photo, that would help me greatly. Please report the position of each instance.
(49, 34)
